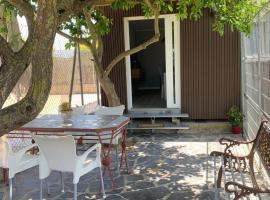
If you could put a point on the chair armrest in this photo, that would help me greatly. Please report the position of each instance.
(230, 143)
(225, 141)
(240, 190)
(97, 147)
(25, 149)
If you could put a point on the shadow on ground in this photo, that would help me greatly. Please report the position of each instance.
(162, 166)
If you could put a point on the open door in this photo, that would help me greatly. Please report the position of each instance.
(153, 74)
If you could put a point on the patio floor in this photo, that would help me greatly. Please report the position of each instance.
(163, 166)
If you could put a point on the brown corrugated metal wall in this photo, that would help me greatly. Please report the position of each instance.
(114, 45)
(210, 69)
(210, 65)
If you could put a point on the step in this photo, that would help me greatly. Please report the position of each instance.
(157, 115)
(154, 110)
(163, 126)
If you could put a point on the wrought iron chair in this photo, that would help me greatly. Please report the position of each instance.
(245, 164)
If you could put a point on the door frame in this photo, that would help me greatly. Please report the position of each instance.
(173, 98)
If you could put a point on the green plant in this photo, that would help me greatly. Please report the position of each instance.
(65, 107)
(235, 117)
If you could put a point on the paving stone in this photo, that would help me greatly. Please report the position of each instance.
(147, 194)
(139, 185)
(181, 195)
(162, 165)
(133, 178)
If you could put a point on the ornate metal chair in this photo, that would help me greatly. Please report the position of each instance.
(245, 164)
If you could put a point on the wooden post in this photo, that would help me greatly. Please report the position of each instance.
(80, 70)
(72, 75)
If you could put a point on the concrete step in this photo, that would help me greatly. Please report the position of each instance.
(160, 126)
(156, 113)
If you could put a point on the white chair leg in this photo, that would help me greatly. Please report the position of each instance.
(40, 191)
(62, 183)
(48, 187)
(75, 191)
(10, 189)
(102, 184)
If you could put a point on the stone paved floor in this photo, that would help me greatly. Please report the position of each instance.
(169, 166)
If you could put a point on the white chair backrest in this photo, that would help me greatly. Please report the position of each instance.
(77, 110)
(85, 109)
(58, 151)
(117, 110)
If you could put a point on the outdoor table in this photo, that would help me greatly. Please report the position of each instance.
(85, 125)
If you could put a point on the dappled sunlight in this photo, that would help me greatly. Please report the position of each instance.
(160, 166)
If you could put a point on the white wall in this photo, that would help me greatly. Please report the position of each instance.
(256, 75)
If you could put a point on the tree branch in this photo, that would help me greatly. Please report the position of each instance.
(97, 45)
(140, 47)
(26, 9)
(10, 72)
(5, 49)
(29, 107)
(29, 14)
(74, 39)
(83, 4)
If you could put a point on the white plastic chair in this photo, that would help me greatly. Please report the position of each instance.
(59, 153)
(15, 162)
(103, 110)
(117, 110)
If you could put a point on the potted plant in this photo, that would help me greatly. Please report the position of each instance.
(65, 110)
(235, 117)
(65, 107)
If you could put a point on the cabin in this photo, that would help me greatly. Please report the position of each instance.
(192, 69)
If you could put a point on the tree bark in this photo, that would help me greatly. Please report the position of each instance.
(3, 23)
(14, 61)
(14, 35)
(109, 90)
(30, 106)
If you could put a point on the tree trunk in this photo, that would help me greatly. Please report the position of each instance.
(14, 35)
(109, 89)
(10, 73)
(3, 24)
(14, 64)
(30, 106)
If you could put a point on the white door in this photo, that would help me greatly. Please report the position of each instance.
(172, 45)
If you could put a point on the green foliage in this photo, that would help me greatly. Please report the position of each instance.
(9, 8)
(123, 4)
(164, 6)
(238, 14)
(102, 23)
(147, 11)
(235, 117)
(77, 26)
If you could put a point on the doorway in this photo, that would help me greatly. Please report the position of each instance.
(147, 66)
(153, 74)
